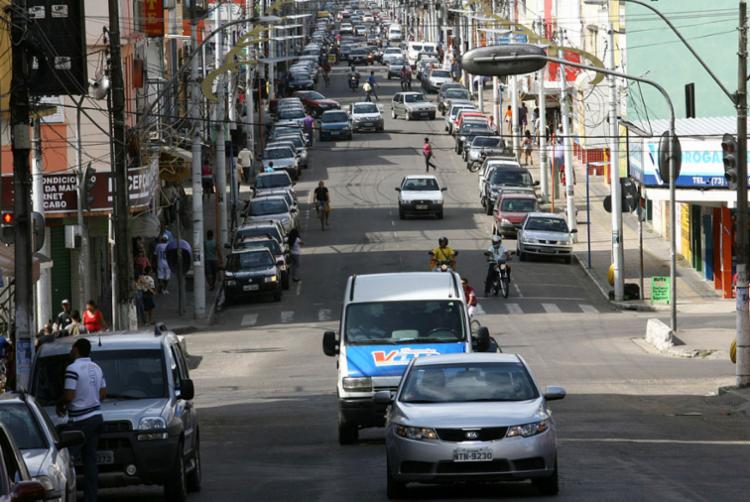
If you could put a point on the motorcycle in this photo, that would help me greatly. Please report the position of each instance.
(353, 82)
(501, 281)
(441, 265)
(406, 84)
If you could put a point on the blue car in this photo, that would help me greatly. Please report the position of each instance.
(334, 124)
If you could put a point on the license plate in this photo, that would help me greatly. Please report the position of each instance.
(368, 124)
(480, 455)
(334, 133)
(250, 287)
(421, 206)
(423, 114)
(105, 457)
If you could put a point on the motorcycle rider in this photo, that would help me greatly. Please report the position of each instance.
(496, 254)
(353, 78)
(405, 77)
(443, 253)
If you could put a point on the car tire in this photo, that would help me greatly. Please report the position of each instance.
(194, 478)
(549, 485)
(277, 296)
(175, 488)
(394, 489)
(407, 116)
(348, 433)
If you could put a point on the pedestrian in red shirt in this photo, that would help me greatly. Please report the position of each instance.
(427, 152)
(471, 296)
(93, 320)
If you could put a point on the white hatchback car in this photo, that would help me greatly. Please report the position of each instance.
(419, 195)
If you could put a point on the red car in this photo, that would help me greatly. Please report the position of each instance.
(511, 209)
(316, 103)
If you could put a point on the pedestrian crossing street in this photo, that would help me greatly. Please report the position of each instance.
(487, 306)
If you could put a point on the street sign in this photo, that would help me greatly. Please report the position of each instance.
(661, 290)
(664, 156)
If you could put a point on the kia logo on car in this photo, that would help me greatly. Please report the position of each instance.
(472, 435)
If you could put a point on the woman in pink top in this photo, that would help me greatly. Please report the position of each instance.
(427, 152)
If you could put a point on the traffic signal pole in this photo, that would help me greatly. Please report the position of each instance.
(742, 322)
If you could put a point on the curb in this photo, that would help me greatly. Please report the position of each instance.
(639, 307)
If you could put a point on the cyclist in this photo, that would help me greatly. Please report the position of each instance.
(497, 253)
(323, 200)
(443, 253)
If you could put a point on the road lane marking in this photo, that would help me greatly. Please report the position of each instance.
(518, 290)
(551, 308)
(514, 308)
(479, 310)
(249, 320)
(298, 288)
(697, 442)
(588, 309)
(324, 315)
(287, 315)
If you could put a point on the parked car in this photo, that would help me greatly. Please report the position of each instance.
(44, 450)
(435, 78)
(511, 209)
(499, 178)
(480, 148)
(251, 272)
(464, 115)
(265, 182)
(277, 250)
(412, 105)
(297, 143)
(283, 158)
(316, 103)
(15, 481)
(545, 234)
(452, 115)
(366, 116)
(420, 195)
(449, 93)
(271, 208)
(334, 124)
(464, 417)
(268, 228)
(468, 130)
(300, 80)
(151, 433)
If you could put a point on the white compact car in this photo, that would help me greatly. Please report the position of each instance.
(420, 195)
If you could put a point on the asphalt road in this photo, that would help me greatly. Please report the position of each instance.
(634, 426)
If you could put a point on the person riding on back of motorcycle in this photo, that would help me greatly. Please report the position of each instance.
(443, 255)
(496, 254)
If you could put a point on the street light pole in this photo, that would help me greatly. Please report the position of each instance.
(199, 277)
(614, 173)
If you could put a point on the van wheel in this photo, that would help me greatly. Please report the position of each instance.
(194, 477)
(175, 489)
(348, 433)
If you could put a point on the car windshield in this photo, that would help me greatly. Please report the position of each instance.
(457, 93)
(299, 76)
(273, 181)
(397, 62)
(312, 95)
(518, 205)
(468, 382)
(414, 98)
(260, 207)
(334, 117)
(511, 178)
(475, 128)
(393, 51)
(292, 139)
(130, 374)
(23, 426)
(287, 113)
(420, 184)
(263, 231)
(278, 153)
(404, 322)
(441, 73)
(547, 224)
(416, 47)
(244, 261)
(269, 244)
(484, 142)
(366, 108)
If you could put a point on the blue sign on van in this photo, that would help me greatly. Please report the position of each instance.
(390, 360)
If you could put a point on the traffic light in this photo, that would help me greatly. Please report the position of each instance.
(89, 180)
(7, 228)
(729, 152)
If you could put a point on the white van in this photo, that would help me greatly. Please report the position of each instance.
(386, 321)
(414, 49)
(394, 33)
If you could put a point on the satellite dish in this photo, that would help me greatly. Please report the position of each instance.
(99, 88)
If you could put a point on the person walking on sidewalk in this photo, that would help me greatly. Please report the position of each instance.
(146, 286)
(526, 146)
(84, 389)
(295, 243)
(508, 118)
(163, 272)
(427, 153)
(93, 319)
(212, 259)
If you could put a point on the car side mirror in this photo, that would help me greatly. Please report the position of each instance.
(187, 389)
(398, 189)
(444, 189)
(27, 491)
(574, 231)
(383, 397)
(554, 393)
(70, 438)
(483, 339)
(330, 347)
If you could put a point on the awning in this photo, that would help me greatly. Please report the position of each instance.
(177, 152)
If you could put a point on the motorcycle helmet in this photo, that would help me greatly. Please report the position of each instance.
(443, 241)
(496, 240)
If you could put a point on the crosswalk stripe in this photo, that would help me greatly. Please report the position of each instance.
(588, 309)
(551, 308)
(249, 320)
(287, 315)
(514, 308)
(324, 315)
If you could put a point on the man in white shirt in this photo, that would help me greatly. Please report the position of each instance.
(84, 389)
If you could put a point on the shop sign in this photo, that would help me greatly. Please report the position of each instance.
(661, 290)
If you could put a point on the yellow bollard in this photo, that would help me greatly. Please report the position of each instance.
(611, 275)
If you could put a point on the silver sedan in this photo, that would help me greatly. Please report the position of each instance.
(470, 417)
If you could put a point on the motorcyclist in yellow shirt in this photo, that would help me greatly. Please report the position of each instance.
(443, 255)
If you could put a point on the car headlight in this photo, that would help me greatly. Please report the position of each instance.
(418, 433)
(46, 482)
(357, 384)
(505, 221)
(270, 278)
(151, 428)
(531, 241)
(474, 154)
(528, 430)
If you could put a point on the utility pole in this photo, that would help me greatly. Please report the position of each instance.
(199, 276)
(83, 256)
(543, 136)
(21, 144)
(514, 92)
(219, 133)
(743, 255)
(44, 284)
(614, 170)
(570, 203)
(123, 316)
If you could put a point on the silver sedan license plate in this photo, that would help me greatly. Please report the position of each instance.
(472, 455)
